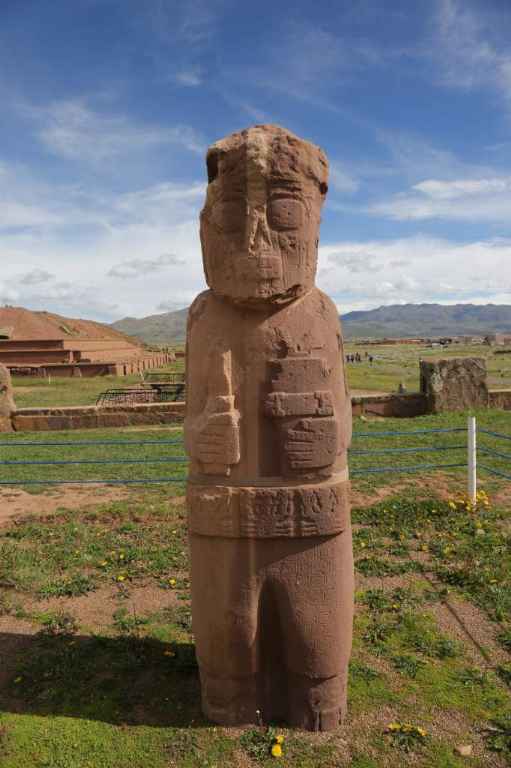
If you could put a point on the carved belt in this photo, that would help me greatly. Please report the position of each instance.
(269, 512)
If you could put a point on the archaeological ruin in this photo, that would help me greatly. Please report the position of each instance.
(42, 344)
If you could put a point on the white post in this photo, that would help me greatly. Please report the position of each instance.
(472, 459)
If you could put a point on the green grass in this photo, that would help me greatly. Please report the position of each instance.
(399, 363)
(82, 695)
(126, 453)
(33, 392)
(70, 557)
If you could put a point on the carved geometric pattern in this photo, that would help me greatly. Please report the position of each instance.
(259, 513)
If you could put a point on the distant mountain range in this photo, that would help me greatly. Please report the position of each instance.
(394, 321)
(167, 328)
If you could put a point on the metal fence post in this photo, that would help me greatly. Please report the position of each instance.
(472, 459)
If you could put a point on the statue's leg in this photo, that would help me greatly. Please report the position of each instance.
(316, 588)
(224, 610)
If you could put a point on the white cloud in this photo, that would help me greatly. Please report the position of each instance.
(356, 261)
(303, 59)
(462, 200)
(466, 50)
(137, 267)
(417, 158)
(94, 231)
(160, 204)
(14, 215)
(72, 130)
(189, 78)
(341, 180)
(451, 190)
(170, 306)
(36, 277)
(415, 269)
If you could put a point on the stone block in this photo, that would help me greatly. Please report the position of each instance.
(454, 384)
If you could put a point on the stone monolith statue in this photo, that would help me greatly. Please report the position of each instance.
(267, 427)
(7, 406)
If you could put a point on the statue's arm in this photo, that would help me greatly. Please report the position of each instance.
(212, 420)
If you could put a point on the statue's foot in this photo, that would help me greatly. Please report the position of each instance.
(229, 701)
(317, 704)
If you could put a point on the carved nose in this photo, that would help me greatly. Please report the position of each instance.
(258, 232)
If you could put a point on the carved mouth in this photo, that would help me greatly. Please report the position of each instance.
(259, 267)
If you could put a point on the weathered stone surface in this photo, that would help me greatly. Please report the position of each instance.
(267, 428)
(500, 398)
(84, 417)
(7, 406)
(454, 384)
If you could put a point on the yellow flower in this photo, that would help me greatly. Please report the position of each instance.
(279, 738)
(422, 731)
(452, 505)
(121, 577)
(276, 750)
(172, 582)
(394, 727)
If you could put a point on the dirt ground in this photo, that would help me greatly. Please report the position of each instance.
(16, 502)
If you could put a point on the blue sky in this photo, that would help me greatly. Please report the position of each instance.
(108, 107)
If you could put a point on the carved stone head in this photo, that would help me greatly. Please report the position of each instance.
(260, 222)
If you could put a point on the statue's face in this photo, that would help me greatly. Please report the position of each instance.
(260, 228)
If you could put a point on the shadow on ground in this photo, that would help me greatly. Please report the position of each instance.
(121, 680)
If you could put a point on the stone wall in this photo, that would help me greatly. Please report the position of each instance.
(500, 398)
(90, 417)
(42, 419)
(400, 406)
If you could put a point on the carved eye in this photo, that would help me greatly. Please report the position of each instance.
(285, 213)
(229, 216)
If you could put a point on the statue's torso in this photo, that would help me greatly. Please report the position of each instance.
(303, 339)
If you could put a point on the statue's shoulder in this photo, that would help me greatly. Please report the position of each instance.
(318, 301)
(200, 305)
(208, 309)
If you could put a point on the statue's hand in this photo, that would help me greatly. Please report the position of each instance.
(311, 444)
(217, 441)
(213, 437)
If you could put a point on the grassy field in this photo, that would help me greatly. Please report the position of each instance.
(31, 392)
(400, 363)
(98, 667)
(391, 365)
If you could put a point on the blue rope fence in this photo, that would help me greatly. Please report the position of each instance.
(181, 460)
(488, 451)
